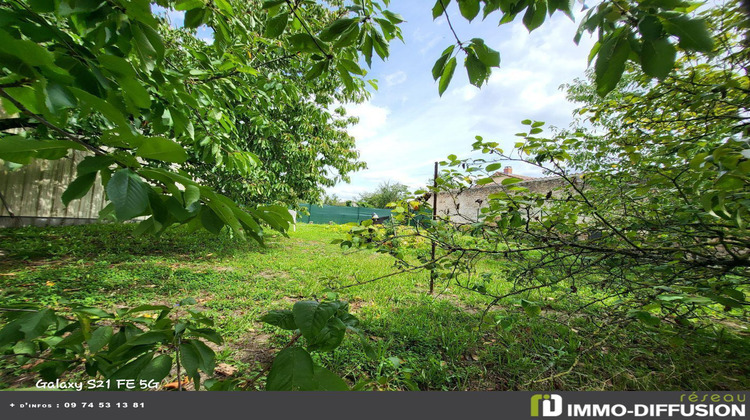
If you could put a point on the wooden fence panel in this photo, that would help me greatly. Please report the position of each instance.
(34, 191)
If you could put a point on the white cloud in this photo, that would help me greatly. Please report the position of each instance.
(468, 92)
(396, 78)
(371, 120)
(400, 139)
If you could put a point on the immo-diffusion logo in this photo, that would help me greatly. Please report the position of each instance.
(714, 405)
(551, 405)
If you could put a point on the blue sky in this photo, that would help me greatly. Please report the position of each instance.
(406, 126)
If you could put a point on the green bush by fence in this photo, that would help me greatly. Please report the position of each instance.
(338, 214)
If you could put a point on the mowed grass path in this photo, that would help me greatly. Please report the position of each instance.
(418, 341)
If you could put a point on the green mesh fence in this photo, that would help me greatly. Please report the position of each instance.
(339, 215)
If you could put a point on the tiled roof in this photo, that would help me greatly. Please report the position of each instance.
(504, 175)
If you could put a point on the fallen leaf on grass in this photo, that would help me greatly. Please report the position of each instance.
(225, 369)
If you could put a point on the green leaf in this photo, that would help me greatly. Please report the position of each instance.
(311, 316)
(325, 380)
(439, 8)
(35, 324)
(469, 8)
(25, 347)
(223, 209)
(316, 69)
(192, 194)
(42, 6)
(335, 29)
(329, 337)
(94, 164)
(105, 108)
(734, 294)
(493, 167)
(510, 181)
(305, 43)
(58, 97)
(349, 37)
(730, 182)
(535, 14)
(346, 77)
(208, 334)
(11, 333)
(99, 338)
(194, 18)
(283, 319)
(211, 221)
(190, 358)
(163, 149)
(379, 44)
(78, 188)
(188, 4)
(437, 69)
(275, 25)
(565, 6)
(393, 17)
(292, 370)
(532, 310)
(267, 4)
(224, 6)
(445, 78)
(486, 55)
(92, 312)
(208, 357)
(485, 181)
(650, 28)
(27, 51)
(142, 42)
(693, 33)
(351, 67)
(476, 70)
(21, 150)
(132, 369)
(645, 317)
(136, 93)
(149, 337)
(610, 62)
(144, 308)
(657, 57)
(367, 50)
(157, 369)
(128, 193)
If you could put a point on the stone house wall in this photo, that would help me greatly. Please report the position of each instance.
(464, 206)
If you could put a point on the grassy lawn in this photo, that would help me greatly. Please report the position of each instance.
(419, 341)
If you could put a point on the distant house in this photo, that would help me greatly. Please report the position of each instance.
(464, 206)
(508, 173)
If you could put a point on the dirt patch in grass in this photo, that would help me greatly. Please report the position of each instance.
(254, 349)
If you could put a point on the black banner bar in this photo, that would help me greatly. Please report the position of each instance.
(372, 405)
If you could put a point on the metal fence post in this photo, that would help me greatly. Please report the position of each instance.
(433, 273)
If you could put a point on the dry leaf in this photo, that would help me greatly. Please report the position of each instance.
(225, 369)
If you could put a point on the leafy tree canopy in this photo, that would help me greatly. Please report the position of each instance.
(386, 193)
(649, 214)
(181, 130)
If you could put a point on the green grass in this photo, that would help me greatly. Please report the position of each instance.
(420, 341)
